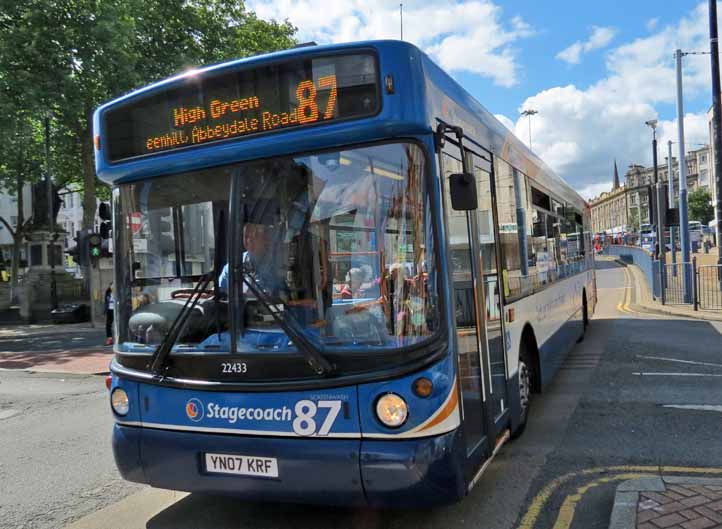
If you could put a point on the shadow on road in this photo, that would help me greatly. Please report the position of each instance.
(220, 512)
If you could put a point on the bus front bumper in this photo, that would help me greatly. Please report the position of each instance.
(349, 472)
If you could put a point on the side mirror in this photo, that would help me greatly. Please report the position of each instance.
(463, 191)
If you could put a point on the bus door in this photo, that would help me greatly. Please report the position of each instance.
(462, 233)
(490, 255)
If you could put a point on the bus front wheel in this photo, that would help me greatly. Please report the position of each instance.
(525, 377)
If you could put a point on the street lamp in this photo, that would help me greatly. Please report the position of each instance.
(659, 254)
(529, 113)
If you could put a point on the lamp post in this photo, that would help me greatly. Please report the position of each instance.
(660, 200)
(51, 248)
(529, 113)
(401, 19)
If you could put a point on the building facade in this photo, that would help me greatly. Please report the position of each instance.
(9, 211)
(639, 182)
(609, 211)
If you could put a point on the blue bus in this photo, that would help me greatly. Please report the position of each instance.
(339, 279)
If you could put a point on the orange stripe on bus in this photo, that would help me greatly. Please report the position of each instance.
(448, 409)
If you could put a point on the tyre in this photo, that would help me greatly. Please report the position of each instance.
(585, 318)
(524, 377)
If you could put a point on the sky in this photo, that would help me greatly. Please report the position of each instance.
(594, 71)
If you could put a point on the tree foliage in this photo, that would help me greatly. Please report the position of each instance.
(63, 58)
(700, 206)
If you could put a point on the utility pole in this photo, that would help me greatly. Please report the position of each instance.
(716, 128)
(670, 199)
(529, 113)
(683, 221)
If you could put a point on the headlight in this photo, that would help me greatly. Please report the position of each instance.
(392, 410)
(119, 401)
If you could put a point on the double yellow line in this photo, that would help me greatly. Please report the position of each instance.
(623, 306)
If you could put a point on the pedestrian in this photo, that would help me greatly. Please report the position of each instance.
(109, 314)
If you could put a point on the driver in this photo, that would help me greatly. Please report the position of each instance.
(258, 260)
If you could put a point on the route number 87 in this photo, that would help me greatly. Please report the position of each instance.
(305, 423)
(306, 95)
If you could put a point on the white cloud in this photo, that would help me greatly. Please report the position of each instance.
(600, 38)
(594, 190)
(652, 24)
(446, 29)
(509, 124)
(579, 131)
(572, 54)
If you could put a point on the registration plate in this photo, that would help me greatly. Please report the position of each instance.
(266, 467)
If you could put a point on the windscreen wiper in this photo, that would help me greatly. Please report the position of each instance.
(158, 359)
(315, 359)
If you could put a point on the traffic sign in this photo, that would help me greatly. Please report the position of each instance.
(136, 220)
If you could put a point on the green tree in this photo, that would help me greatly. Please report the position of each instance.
(21, 155)
(65, 57)
(700, 206)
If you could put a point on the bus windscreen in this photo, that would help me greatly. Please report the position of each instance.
(243, 102)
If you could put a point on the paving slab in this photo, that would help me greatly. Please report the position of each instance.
(76, 361)
(668, 502)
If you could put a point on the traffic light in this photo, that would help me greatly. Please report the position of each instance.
(95, 243)
(161, 226)
(105, 214)
(80, 251)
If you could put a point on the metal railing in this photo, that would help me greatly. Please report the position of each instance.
(667, 282)
(674, 279)
(709, 287)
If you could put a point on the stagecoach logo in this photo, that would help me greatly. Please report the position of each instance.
(194, 410)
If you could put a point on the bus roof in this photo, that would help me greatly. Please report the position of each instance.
(423, 95)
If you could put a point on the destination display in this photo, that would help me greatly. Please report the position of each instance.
(232, 105)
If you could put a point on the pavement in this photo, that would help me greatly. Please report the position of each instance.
(669, 502)
(70, 348)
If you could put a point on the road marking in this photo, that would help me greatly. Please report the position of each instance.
(700, 407)
(677, 374)
(623, 306)
(569, 506)
(535, 507)
(680, 361)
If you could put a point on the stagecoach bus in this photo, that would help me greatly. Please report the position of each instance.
(339, 278)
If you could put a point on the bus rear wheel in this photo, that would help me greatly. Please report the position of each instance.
(585, 317)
